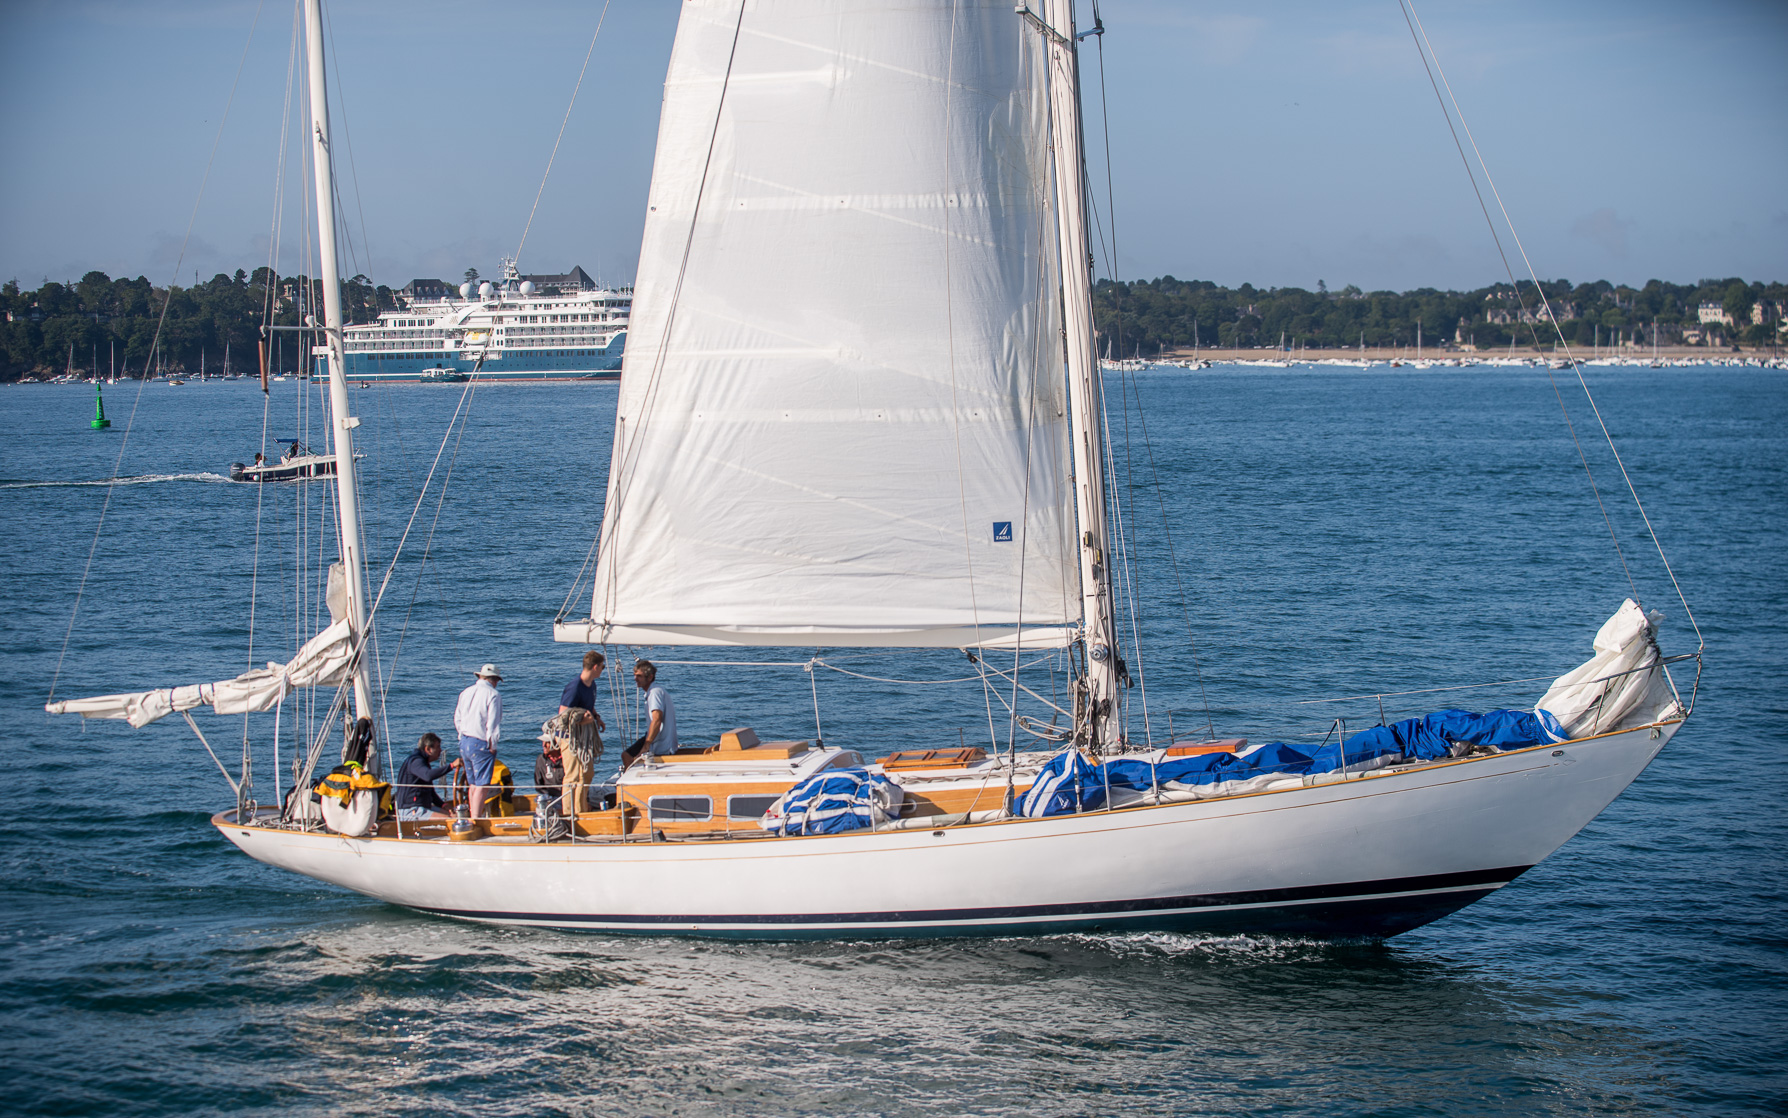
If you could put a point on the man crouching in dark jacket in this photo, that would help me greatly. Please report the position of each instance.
(549, 774)
(415, 783)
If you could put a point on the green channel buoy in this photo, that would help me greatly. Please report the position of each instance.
(100, 422)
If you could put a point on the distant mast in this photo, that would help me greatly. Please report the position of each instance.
(342, 424)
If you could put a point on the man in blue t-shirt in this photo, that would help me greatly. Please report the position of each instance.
(581, 691)
(580, 695)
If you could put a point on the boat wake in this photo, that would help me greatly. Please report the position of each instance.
(140, 479)
(1228, 949)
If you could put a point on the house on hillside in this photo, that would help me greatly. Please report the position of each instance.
(425, 289)
(575, 280)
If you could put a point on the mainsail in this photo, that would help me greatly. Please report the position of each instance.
(842, 418)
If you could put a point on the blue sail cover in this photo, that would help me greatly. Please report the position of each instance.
(1429, 738)
(833, 801)
(1068, 783)
(1063, 786)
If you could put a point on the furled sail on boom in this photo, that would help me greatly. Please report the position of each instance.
(322, 662)
(842, 417)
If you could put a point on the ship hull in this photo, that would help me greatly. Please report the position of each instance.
(413, 371)
(1367, 857)
(581, 362)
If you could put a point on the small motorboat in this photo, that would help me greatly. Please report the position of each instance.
(296, 464)
(439, 375)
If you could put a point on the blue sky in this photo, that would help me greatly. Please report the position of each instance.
(1274, 143)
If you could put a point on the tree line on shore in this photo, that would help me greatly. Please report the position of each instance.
(99, 320)
(1147, 316)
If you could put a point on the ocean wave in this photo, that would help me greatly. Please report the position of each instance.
(139, 479)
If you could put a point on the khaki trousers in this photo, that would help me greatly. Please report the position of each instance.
(575, 797)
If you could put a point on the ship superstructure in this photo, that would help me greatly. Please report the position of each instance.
(513, 329)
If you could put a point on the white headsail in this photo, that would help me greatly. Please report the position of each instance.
(842, 418)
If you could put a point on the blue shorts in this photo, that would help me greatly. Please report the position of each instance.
(417, 814)
(480, 758)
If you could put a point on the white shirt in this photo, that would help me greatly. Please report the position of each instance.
(658, 699)
(480, 712)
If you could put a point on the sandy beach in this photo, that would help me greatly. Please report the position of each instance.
(1432, 353)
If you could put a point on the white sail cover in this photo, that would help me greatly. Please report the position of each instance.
(1622, 685)
(322, 662)
(842, 417)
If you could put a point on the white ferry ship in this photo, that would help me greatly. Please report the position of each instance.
(515, 329)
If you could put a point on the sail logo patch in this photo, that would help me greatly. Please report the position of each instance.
(1002, 531)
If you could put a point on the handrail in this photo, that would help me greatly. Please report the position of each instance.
(1662, 660)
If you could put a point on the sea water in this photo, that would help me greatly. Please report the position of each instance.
(1295, 534)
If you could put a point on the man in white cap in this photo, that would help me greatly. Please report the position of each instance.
(479, 721)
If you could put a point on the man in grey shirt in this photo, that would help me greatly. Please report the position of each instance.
(661, 728)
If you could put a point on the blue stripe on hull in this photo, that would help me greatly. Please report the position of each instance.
(1348, 910)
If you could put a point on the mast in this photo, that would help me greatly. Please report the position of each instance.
(1096, 716)
(342, 424)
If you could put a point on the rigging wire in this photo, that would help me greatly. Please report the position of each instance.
(1129, 550)
(578, 582)
(1420, 33)
(254, 574)
(148, 361)
(341, 99)
(269, 305)
(461, 413)
(968, 553)
(1124, 581)
(1123, 574)
(1126, 544)
(555, 152)
(1110, 253)
(1117, 297)
(1173, 561)
(276, 226)
(1040, 339)
(1508, 269)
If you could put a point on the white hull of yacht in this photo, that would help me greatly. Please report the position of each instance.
(1372, 856)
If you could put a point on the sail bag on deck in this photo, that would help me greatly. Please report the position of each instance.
(833, 802)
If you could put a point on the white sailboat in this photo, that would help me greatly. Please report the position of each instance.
(862, 408)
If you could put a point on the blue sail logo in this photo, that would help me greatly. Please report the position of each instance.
(1002, 531)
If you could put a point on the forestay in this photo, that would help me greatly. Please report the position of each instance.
(842, 419)
(322, 662)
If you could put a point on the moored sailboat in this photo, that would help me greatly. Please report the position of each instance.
(900, 444)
